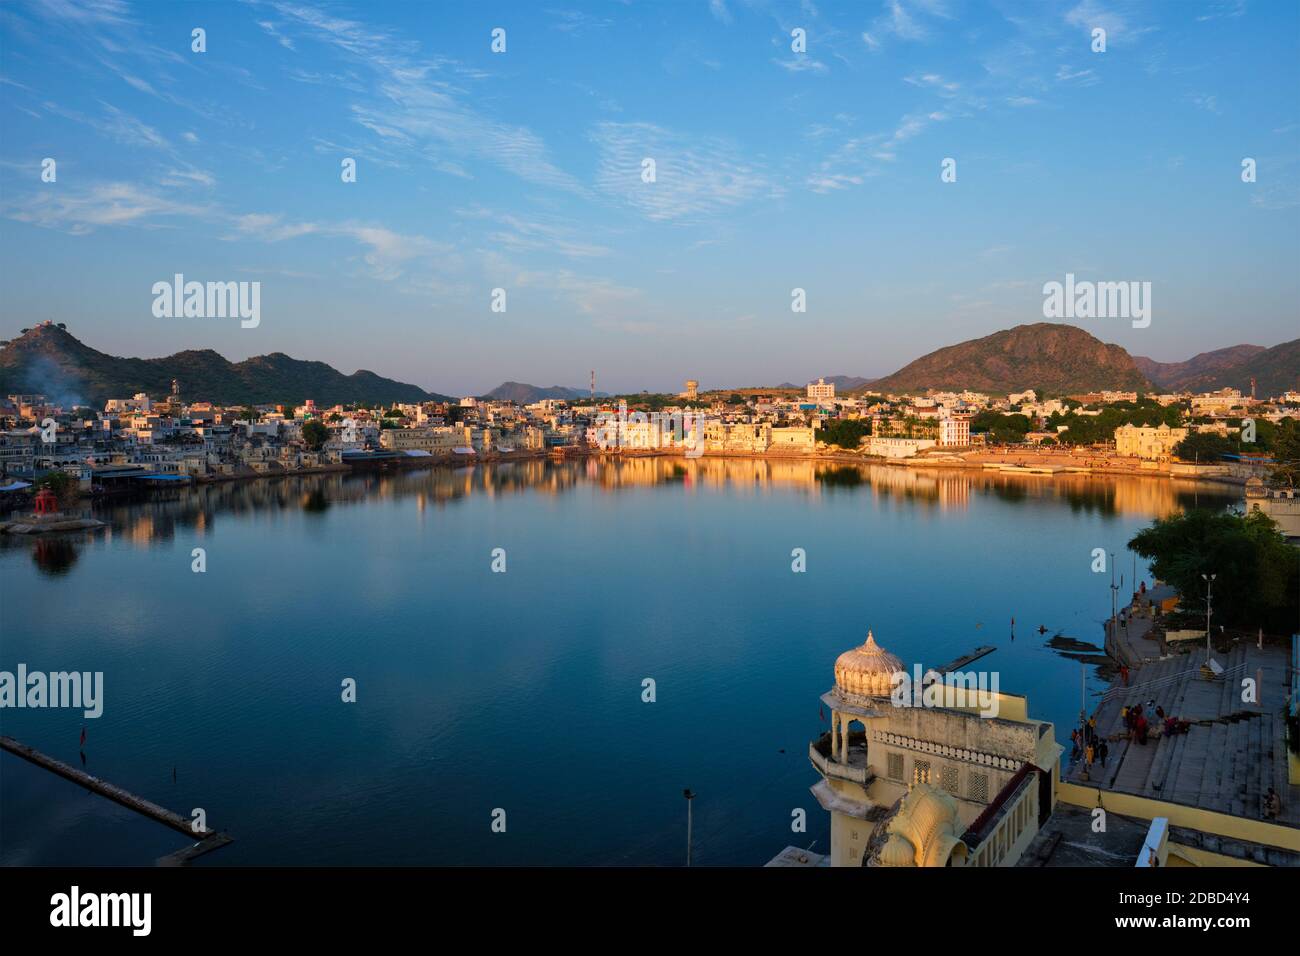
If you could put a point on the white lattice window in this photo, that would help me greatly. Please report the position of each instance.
(950, 780)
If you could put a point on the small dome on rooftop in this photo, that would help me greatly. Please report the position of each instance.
(867, 670)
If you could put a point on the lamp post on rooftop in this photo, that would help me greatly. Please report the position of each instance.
(1209, 584)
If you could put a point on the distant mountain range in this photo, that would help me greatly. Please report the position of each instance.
(522, 394)
(1274, 370)
(1059, 359)
(1064, 359)
(843, 383)
(51, 361)
(1175, 375)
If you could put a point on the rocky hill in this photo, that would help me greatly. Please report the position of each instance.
(1058, 359)
(50, 360)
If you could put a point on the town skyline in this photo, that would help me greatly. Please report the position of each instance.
(521, 170)
(64, 382)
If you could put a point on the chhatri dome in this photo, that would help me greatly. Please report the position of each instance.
(867, 670)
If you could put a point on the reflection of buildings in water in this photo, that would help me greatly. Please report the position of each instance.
(954, 493)
(54, 555)
(147, 520)
(143, 531)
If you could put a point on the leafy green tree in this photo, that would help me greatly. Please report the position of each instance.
(1204, 447)
(315, 434)
(1286, 451)
(844, 432)
(1005, 429)
(59, 482)
(1257, 581)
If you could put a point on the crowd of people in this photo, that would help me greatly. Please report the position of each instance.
(1140, 723)
(1088, 744)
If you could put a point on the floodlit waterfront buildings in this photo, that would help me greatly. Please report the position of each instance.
(1150, 444)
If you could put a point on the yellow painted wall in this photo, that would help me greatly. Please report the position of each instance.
(1192, 856)
(1194, 818)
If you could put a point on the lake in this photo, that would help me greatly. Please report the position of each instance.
(522, 691)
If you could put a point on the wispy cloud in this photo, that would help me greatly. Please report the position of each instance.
(272, 30)
(696, 176)
(417, 105)
(1120, 28)
(589, 295)
(864, 156)
(1065, 74)
(82, 211)
(1224, 9)
(933, 81)
(516, 233)
(801, 64)
(576, 23)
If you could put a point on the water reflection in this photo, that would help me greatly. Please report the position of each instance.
(54, 555)
(142, 522)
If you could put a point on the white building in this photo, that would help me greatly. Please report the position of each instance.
(820, 391)
(954, 431)
(898, 447)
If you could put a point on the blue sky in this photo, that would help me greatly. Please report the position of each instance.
(522, 170)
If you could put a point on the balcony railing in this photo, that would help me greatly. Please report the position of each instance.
(854, 769)
(1000, 834)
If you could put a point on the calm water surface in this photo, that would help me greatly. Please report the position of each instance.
(522, 690)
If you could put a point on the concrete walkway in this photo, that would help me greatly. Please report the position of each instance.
(1233, 751)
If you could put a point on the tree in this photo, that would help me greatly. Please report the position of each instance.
(315, 434)
(1257, 581)
(1204, 446)
(844, 432)
(59, 482)
(1286, 451)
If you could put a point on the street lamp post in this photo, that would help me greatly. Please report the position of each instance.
(689, 798)
(1114, 593)
(1209, 584)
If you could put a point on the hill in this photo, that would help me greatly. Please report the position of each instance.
(1173, 376)
(843, 383)
(1057, 359)
(524, 394)
(1275, 371)
(51, 361)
